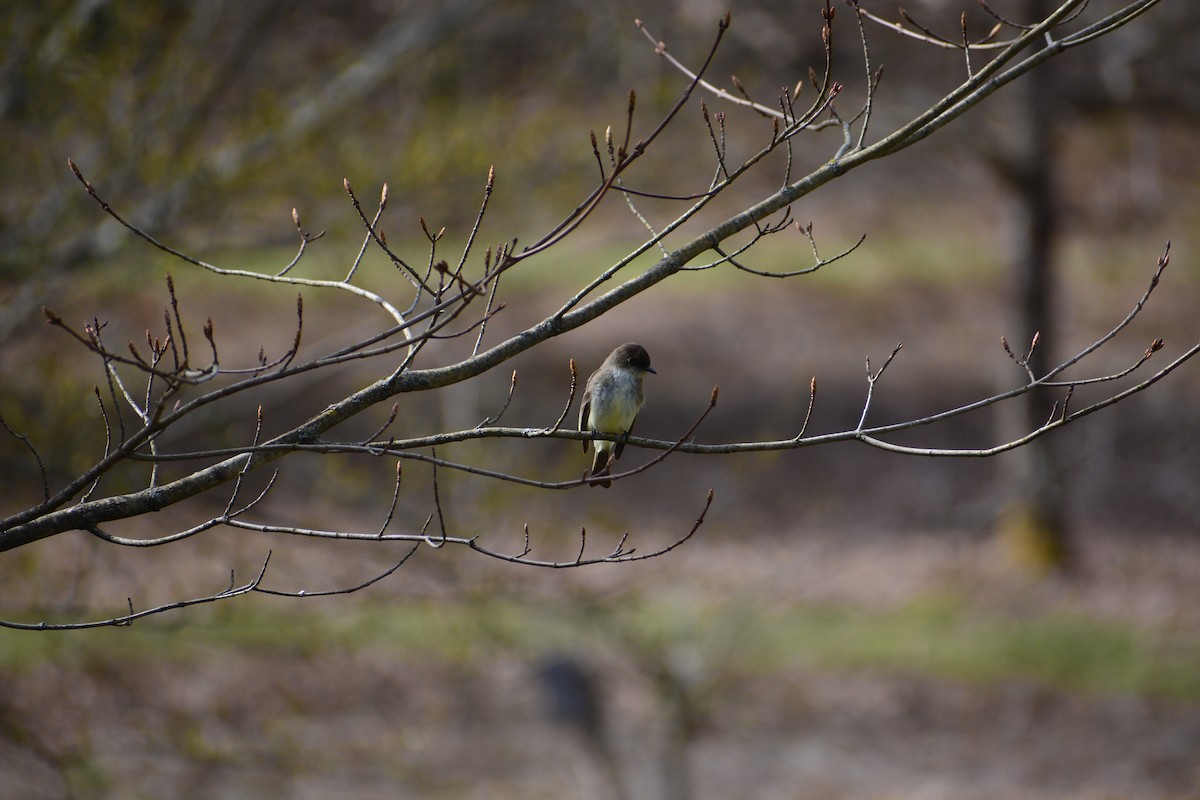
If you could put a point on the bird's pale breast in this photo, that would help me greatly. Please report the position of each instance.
(615, 403)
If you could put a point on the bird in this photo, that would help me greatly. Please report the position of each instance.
(612, 398)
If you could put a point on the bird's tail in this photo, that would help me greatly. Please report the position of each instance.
(600, 464)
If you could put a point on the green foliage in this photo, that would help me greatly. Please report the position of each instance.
(937, 637)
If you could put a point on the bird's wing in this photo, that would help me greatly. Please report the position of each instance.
(584, 408)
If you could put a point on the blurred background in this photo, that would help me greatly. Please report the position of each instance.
(846, 623)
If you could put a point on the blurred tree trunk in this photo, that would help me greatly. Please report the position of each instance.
(682, 719)
(1033, 525)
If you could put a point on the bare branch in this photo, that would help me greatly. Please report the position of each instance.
(512, 387)
(346, 590)
(158, 381)
(132, 616)
(23, 439)
(570, 399)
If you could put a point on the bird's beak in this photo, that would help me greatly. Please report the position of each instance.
(651, 370)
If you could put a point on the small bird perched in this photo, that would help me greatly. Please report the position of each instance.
(611, 401)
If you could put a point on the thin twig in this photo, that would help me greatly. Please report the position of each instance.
(23, 439)
(128, 619)
(348, 589)
(512, 387)
(570, 399)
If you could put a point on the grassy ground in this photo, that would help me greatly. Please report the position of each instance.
(833, 666)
